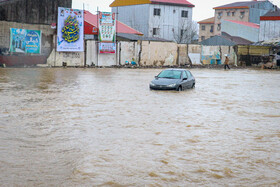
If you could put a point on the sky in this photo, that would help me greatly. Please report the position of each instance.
(203, 8)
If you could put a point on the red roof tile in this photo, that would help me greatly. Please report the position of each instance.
(91, 19)
(180, 2)
(249, 24)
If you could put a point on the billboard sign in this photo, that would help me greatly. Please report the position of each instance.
(70, 30)
(107, 48)
(107, 27)
(25, 41)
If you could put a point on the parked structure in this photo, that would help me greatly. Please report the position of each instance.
(170, 20)
(270, 25)
(206, 28)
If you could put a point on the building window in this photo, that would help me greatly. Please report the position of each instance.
(203, 27)
(202, 38)
(242, 13)
(184, 14)
(220, 14)
(228, 13)
(156, 11)
(233, 13)
(219, 27)
(212, 28)
(155, 31)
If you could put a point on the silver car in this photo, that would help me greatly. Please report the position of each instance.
(173, 79)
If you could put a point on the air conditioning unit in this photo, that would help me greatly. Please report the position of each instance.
(241, 16)
(219, 17)
(218, 28)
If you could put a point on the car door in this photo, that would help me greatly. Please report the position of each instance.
(190, 79)
(185, 81)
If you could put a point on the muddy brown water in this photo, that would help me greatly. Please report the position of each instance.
(104, 127)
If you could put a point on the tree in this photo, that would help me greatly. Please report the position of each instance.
(186, 33)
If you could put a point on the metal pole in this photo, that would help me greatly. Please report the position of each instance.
(98, 27)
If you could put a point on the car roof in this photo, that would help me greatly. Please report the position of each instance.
(176, 69)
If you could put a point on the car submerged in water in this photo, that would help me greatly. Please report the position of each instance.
(173, 79)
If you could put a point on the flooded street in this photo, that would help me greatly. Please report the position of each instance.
(105, 127)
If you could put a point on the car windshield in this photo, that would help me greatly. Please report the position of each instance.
(170, 74)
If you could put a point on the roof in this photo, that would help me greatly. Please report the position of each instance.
(271, 15)
(225, 40)
(207, 21)
(275, 42)
(133, 37)
(121, 27)
(117, 3)
(248, 24)
(243, 4)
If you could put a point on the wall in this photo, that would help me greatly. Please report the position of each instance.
(269, 30)
(259, 10)
(236, 17)
(136, 16)
(212, 54)
(246, 32)
(56, 59)
(253, 55)
(144, 53)
(47, 35)
(32, 11)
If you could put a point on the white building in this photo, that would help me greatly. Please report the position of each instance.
(170, 20)
(270, 25)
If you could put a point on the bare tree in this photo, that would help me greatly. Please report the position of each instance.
(186, 32)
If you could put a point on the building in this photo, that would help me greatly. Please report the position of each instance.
(31, 11)
(246, 11)
(270, 25)
(246, 30)
(34, 16)
(206, 28)
(170, 20)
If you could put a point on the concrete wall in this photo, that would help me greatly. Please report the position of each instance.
(246, 32)
(269, 30)
(56, 59)
(214, 54)
(47, 36)
(144, 53)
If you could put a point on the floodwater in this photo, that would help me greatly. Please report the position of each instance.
(104, 127)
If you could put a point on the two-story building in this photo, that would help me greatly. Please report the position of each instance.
(206, 28)
(236, 14)
(170, 20)
(246, 11)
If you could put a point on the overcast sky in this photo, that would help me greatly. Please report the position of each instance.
(203, 8)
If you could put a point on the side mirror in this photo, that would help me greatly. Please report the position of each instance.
(156, 77)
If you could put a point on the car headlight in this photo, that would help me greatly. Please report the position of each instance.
(152, 84)
(171, 85)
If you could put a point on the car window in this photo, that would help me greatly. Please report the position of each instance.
(185, 74)
(170, 74)
(189, 74)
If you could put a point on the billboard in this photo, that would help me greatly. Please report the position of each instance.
(70, 30)
(107, 47)
(107, 27)
(25, 41)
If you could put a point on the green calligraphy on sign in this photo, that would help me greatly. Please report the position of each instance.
(71, 30)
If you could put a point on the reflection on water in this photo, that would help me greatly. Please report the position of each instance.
(69, 127)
